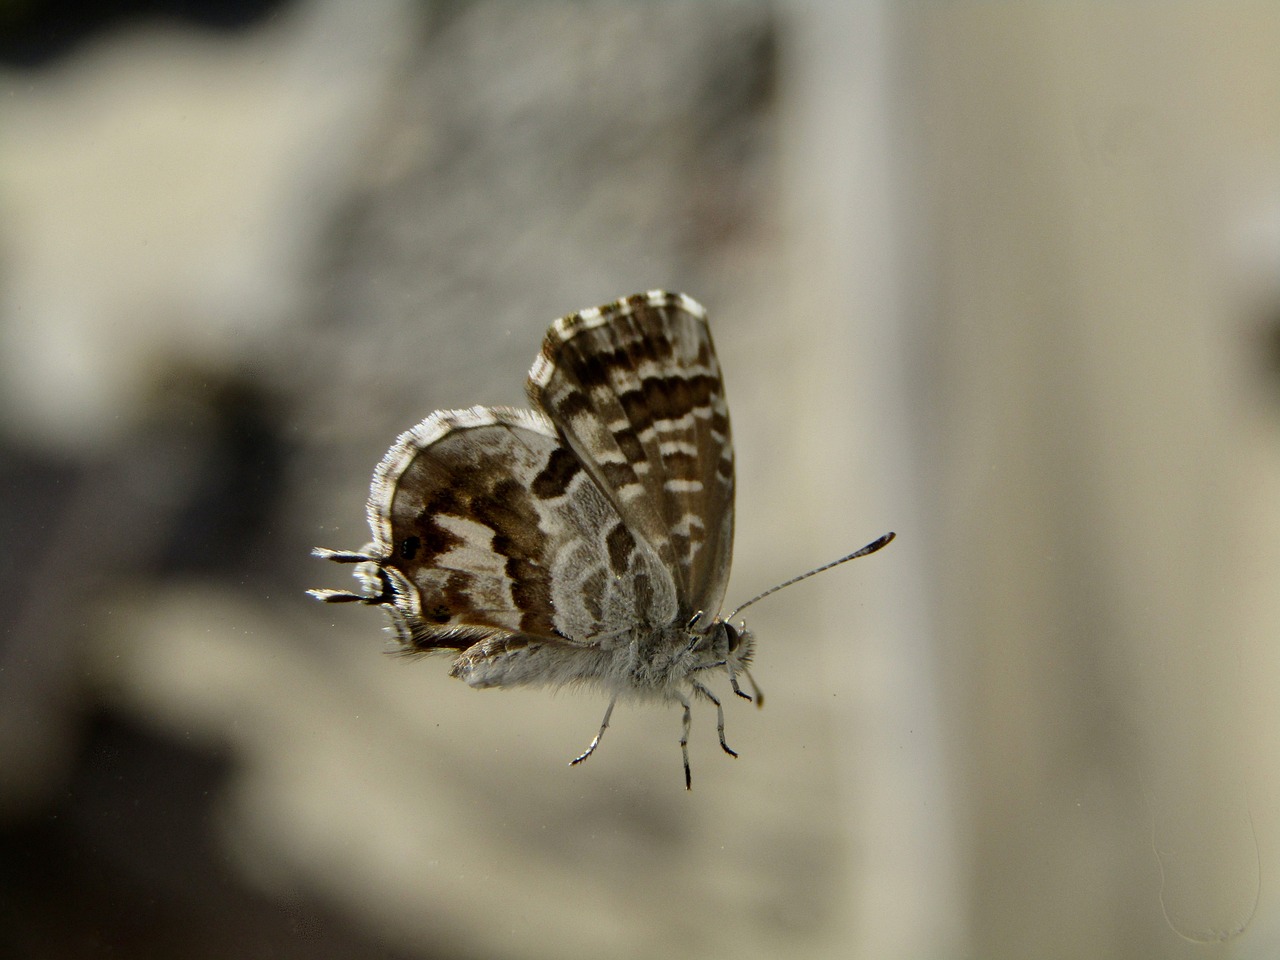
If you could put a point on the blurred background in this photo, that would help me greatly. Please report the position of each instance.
(1002, 278)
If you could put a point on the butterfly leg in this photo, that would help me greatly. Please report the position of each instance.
(684, 740)
(596, 742)
(733, 682)
(719, 716)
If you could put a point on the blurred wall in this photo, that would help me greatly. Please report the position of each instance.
(1094, 392)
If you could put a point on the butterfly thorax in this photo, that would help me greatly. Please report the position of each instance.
(668, 662)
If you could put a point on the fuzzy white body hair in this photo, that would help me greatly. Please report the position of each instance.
(636, 665)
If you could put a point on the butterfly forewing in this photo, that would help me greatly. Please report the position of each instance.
(636, 389)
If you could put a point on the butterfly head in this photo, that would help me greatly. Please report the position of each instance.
(721, 645)
(740, 643)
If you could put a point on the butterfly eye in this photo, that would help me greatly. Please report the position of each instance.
(409, 547)
(735, 638)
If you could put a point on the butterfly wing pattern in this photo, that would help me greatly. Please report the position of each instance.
(586, 541)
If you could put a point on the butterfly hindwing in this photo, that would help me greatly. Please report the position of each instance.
(488, 530)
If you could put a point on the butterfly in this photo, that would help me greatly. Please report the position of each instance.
(585, 541)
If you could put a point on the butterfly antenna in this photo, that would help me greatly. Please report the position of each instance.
(869, 548)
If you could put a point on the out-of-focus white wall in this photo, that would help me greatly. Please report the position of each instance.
(1084, 244)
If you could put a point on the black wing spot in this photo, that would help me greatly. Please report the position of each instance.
(409, 547)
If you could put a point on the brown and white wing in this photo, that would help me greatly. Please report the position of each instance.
(491, 539)
(636, 389)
